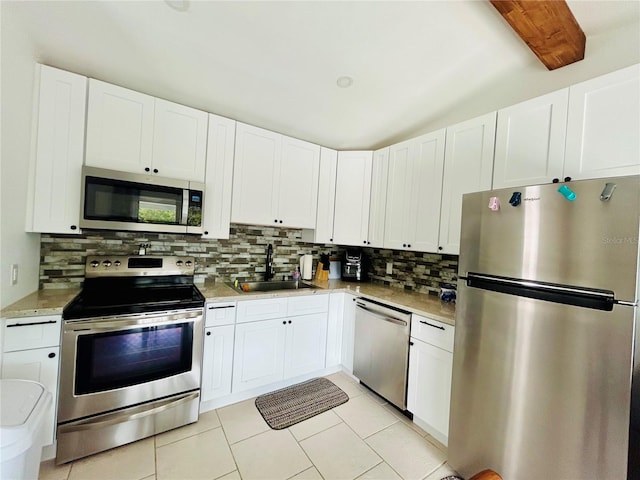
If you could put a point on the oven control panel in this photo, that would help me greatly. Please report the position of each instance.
(138, 266)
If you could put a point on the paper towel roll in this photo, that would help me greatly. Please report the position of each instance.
(306, 267)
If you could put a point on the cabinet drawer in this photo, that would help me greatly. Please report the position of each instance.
(432, 331)
(308, 304)
(31, 332)
(254, 310)
(218, 314)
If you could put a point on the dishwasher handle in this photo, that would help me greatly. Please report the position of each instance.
(381, 315)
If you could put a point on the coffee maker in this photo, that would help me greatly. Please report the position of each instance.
(354, 266)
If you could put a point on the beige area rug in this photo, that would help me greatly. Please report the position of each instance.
(291, 405)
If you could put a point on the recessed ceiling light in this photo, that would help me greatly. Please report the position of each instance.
(344, 81)
(179, 5)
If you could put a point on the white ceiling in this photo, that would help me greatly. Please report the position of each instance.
(275, 64)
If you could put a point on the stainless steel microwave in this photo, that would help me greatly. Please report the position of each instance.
(116, 200)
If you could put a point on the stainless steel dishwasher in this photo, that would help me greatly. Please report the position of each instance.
(381, 350)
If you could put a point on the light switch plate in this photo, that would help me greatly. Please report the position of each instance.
(389, 268)
(14, 274)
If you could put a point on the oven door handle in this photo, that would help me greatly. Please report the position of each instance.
(141, 322)
(126, 415)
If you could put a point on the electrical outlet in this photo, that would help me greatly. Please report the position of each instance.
(389, 268)
(14, 274)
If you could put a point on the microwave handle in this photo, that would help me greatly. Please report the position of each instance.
(185, 206)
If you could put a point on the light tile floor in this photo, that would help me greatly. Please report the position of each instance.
(365, 438)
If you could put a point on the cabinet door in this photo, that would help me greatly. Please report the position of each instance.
(306, 343)
(39, 365)
(349, 322)
(426, 191)
(59, 152)
(258, 357)
(398, 195)
(218, 177)
(217, 362)
(603, 126)
(297, 185)
(468, 167)
(179, 141)
(326, 196)
(429, 387)
(334, 329)
(256, 171)
(377, 207)
(530, 140)
(119, 128)
(353, 194)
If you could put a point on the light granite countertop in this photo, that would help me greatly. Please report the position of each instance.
(52, 301)
(420, 303)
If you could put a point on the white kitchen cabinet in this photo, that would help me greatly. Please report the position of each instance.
(56, 167)
(468, 167)
(216, 217)
(323, 232)
(530, 141)
(217, 363)
(258, 357)
(348, 331)
(305, 344)
(603, 125)
(429, 380)
(31, 351)
(133, 132)
(275, 180)
(353, 196)
(378, 202)
(279, 338)
(179, 141)
(335, 321)
(217, 358)
(429, 388)
(414, 193)
(119, 128)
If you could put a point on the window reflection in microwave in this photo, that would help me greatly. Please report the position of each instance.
(153, 211)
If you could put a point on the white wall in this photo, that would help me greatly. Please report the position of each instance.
(605, 53)
(17, 77)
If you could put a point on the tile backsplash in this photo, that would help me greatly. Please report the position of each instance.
(242, 256)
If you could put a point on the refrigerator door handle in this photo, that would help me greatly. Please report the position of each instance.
(566, 294)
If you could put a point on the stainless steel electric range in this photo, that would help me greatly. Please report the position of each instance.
(131, 353)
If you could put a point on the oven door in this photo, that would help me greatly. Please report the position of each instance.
(112, 363)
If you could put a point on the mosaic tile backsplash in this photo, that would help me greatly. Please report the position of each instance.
(242, 256)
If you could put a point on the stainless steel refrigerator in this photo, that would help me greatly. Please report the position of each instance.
(543, 369)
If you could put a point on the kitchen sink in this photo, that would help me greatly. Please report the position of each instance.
(270, 286)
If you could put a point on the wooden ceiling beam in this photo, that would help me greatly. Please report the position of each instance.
(548, 27)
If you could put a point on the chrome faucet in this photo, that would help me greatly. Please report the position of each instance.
(268, 272)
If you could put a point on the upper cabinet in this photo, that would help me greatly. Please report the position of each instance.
(57, 164)
(133, 132)
(530, 140)
(218, 178)
(353, 195)
(275, 180)
(414, 192)
(323, 233)
(378, 202)
(468, 167)
(603, 126)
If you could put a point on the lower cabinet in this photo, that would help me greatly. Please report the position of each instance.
(273, 349)
(217, 363)
(429, 382)
(348, 330)
(334, 329)
(31, 352)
